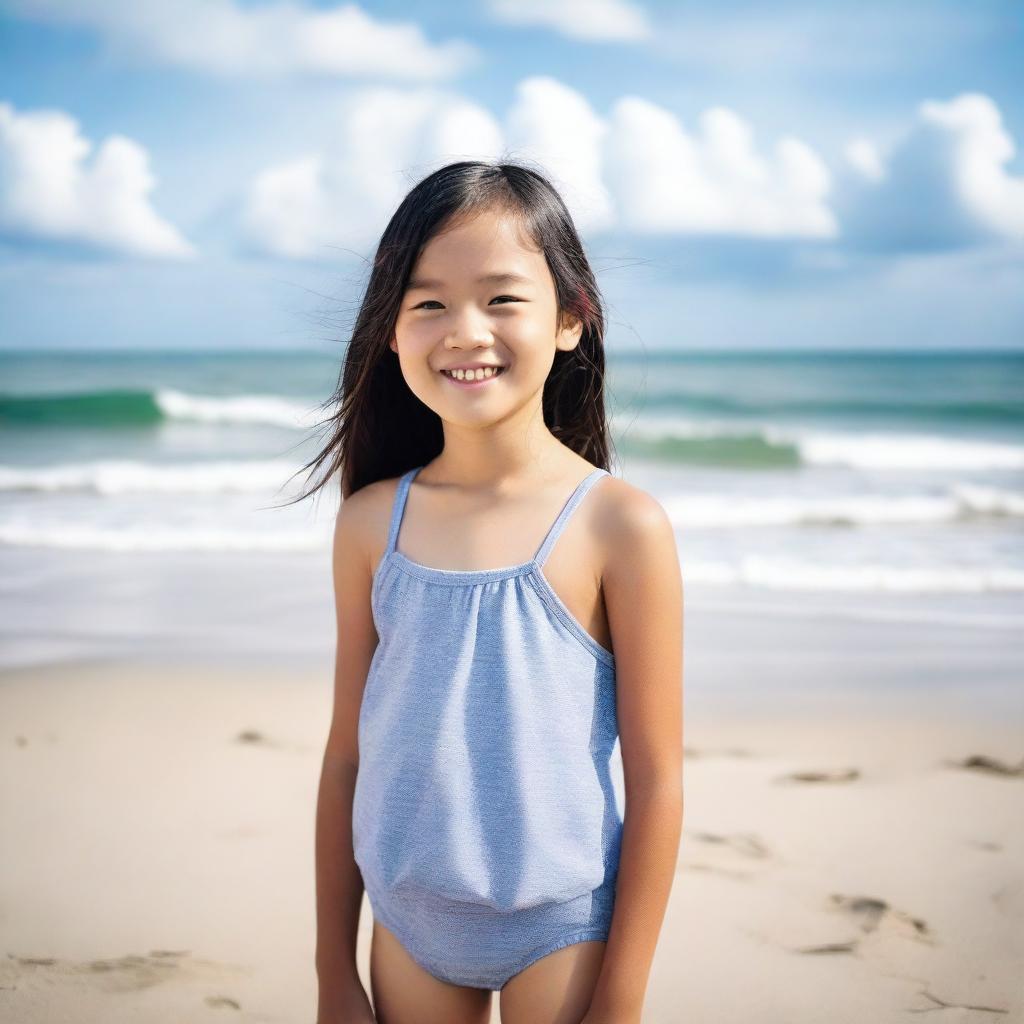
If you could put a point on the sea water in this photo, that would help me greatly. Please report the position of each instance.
(142, 494)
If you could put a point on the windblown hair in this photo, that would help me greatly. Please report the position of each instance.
(379, 428)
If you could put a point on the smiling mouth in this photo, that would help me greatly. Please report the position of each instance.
(477, 376)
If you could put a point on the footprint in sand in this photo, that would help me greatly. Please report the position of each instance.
(746, 844)
(219, 1001)
(840, 775)
(830, 947)
(130, 973)
(253, 736)
(988, 765)
(873, 915)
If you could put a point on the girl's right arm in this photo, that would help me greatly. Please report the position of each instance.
(339, 883)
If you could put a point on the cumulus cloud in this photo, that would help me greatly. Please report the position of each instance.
(592, 20)
(668, 180)
(944, 184)
(49, 193)
(223, 37)
(556, 127)
(638, 170)
(304, 207)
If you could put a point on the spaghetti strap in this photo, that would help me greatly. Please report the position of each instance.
(402, 495)
(559, 524)
(398, 507)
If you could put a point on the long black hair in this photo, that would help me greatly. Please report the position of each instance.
(379, 428)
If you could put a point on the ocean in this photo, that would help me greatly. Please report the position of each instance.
(137, 491)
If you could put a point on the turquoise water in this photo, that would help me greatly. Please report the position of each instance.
(868, 478)
(947, 391)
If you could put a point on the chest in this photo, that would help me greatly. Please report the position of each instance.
(463, 544)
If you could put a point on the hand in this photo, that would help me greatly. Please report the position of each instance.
(353, 1007)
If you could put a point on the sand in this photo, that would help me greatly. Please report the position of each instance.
(158, 854)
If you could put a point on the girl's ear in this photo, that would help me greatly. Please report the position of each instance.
(570, 334)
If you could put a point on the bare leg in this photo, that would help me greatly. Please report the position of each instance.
(405, 993)
(556, 989)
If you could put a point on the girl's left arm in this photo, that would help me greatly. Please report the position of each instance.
(643, 595)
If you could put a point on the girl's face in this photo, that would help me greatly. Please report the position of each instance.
(478, 298)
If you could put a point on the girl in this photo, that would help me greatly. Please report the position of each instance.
(506, 610)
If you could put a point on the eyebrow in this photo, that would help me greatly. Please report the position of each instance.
(507, 277)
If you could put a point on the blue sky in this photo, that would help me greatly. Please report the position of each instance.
(212, 173)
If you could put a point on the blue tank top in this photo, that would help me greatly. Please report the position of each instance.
(489, 762)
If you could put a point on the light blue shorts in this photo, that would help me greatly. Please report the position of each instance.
(478, 947)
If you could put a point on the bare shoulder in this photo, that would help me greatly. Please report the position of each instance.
(635, 530)
(627, 514)
(363, 519)
(368, 500)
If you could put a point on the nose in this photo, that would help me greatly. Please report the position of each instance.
(468, 329)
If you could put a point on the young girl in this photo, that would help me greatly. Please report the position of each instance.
(506, 610)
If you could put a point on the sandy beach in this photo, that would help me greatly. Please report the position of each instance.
(843, 858)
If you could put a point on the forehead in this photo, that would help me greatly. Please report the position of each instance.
(488, 247)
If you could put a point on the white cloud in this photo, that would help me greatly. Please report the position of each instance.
(980, 148)
(556, 126)
(49, 193)
(639, 170)
(592, 20)
(945, 183)
(667, 180)
(303, 208)
(863, 156)
(222, 37)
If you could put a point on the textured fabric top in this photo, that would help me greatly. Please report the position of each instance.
(487, 736)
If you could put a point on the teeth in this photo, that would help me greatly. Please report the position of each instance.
(481, 373)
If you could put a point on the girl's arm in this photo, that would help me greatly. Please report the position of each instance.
(339, 884)
(644, 601)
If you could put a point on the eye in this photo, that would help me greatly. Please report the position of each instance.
(511, 298)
